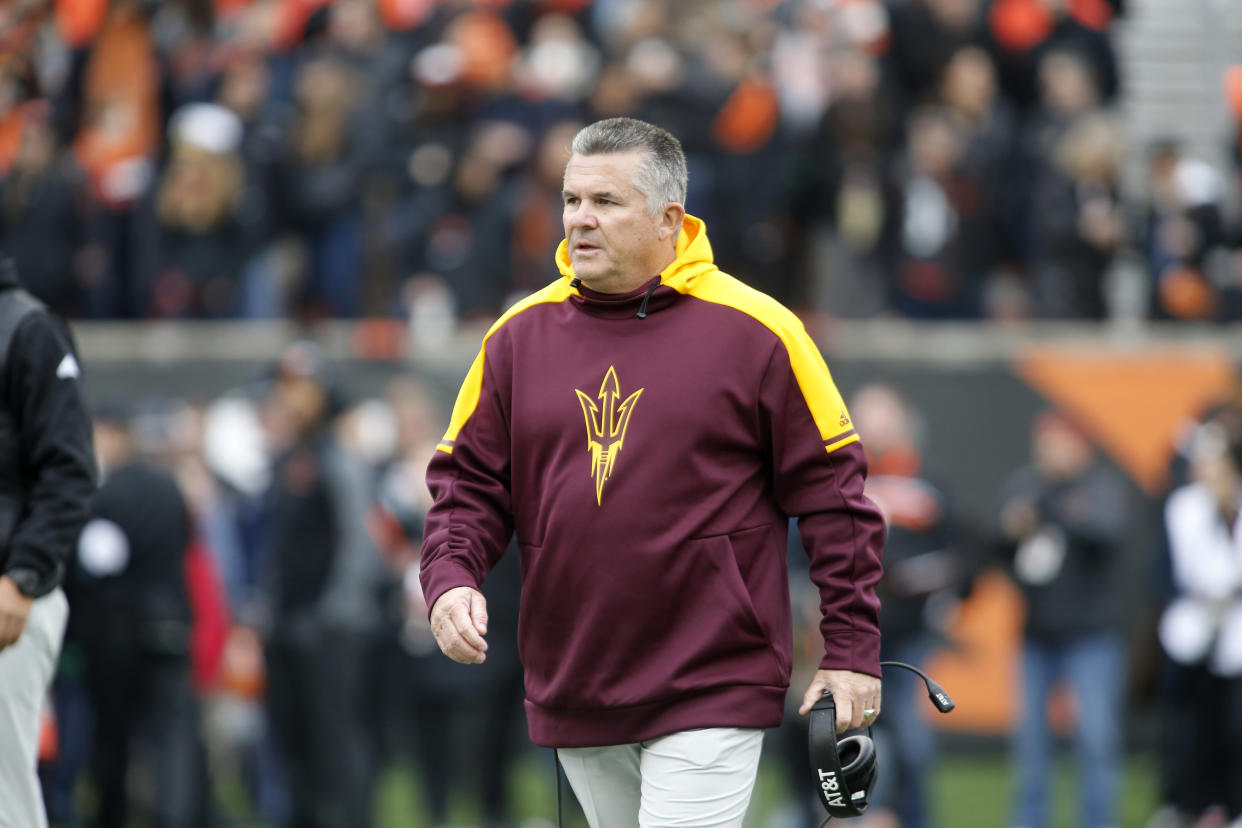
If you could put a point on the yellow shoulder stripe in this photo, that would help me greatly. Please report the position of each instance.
(844, 441)
(811, 372)
(472, 386)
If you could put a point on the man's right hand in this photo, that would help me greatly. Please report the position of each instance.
(459, 622)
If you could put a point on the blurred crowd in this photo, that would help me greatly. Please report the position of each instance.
(249, 638)
(402, 158)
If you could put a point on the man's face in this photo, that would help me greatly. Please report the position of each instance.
(614, 244)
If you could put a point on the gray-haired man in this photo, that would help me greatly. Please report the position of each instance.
(647, 424)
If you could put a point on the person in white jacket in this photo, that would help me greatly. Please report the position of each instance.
(1201, 628)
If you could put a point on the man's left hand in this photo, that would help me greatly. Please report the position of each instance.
(857, 697)
(14, 610)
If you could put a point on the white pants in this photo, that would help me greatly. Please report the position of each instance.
(26, 669)
(694, 778)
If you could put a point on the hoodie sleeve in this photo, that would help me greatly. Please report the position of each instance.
(471, 517)
(818, 474)
(57, 451)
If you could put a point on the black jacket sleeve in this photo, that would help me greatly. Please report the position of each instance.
(57, 452)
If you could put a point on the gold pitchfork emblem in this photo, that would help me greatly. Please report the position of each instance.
(606, 424)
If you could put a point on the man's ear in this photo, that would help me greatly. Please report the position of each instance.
(670, 220)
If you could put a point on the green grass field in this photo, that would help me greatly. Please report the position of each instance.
(973, 793)
(969, 792)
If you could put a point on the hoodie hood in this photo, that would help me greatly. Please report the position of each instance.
(694, 257)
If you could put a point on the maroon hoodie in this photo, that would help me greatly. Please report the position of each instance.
(648, 449)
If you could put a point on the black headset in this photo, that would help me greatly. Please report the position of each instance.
(844, 771)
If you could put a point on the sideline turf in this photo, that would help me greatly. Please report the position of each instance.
(968, 792)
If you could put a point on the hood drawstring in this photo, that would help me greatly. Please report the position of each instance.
(642, 309)
(576, 284)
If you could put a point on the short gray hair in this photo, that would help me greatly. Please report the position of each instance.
(662, 175)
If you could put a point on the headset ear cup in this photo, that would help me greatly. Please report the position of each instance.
(858, 768)
(857, 753)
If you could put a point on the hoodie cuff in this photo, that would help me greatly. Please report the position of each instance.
(442, 576)
(34, 575)
(854, 650)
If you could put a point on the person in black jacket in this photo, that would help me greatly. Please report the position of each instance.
(132, 620)
(47, 478)
(1062, 524)
(321, 573)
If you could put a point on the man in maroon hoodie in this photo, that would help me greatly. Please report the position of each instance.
(647, 425)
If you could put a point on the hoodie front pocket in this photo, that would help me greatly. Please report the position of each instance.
(718, 552)
(623, 627)
(725, 604)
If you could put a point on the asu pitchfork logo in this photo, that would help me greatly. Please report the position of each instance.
(606, 423)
